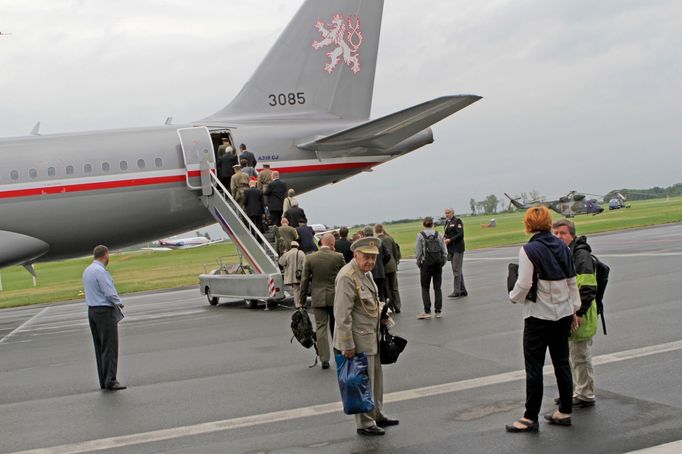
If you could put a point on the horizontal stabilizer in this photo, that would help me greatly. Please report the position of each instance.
(387, 131)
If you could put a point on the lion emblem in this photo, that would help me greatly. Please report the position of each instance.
(345, 36)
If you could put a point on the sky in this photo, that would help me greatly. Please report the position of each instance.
(577, 95)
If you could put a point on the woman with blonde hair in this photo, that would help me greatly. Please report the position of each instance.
(545, 269)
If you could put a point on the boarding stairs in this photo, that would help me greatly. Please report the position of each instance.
(262, 278)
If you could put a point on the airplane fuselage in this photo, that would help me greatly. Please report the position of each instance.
(121, 187)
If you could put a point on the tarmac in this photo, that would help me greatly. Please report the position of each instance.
(227, 379)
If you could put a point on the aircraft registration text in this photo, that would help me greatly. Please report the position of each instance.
(283, 99)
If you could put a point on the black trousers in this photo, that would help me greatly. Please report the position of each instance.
(538, 336)
(276, 218)
(381, 287)
(104, 329)
(426, 274)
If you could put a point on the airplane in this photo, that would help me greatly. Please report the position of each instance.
(185, 243)
(305, 109)
(569, 205)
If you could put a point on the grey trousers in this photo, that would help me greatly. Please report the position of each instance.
(581, 367)
(324, 321)
(376, 383)
(457, 275)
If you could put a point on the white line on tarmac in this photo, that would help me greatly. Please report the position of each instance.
(669, 448)
(323, 409)
(19, 328)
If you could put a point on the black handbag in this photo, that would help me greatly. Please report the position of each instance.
(513, 276)
(390, 347)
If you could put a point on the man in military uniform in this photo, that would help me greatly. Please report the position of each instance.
(357, 312)
(238, 184)
(284, 235)
(454, 241)
(319, 273)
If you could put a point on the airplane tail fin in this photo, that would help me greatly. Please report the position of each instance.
(323, 62)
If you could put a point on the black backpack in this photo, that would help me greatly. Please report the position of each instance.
(602, 271)
(433, 255)
(303, 331)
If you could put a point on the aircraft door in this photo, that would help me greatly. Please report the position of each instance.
(197, 148)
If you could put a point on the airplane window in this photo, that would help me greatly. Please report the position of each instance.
(140, 164)
(33, 173)
(87, 168)
(158, 162)
(51, 171)
(14, 175)
(105, 166)
(69, 170)
(124, 165)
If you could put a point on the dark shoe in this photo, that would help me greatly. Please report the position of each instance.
(578, 403)
(325, 364)
(388, 422)
(558, 421)
(116, 386)
(454, 295)
(464, 293)
(530, 426)
(397, 311)
(373, 430)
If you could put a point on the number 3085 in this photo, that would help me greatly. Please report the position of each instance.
(283, 99)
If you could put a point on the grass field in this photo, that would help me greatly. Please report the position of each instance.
(150, 270)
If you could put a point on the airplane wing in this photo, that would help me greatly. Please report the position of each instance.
(392, 129)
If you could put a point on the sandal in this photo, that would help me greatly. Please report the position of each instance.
(566, 421)
(530, 426)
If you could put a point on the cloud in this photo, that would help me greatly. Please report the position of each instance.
(577, 95)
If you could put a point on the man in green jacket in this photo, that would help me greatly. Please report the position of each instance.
(585, 319)
(319, 273)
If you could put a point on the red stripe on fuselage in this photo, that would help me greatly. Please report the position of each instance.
(136, 182)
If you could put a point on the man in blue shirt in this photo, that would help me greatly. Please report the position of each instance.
(104, 313)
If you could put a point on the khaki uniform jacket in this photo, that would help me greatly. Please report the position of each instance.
(392, 248)
(356, 311)
(319, 273)
(291, 261)
(238, 184)
(264, 178)
(284, 235)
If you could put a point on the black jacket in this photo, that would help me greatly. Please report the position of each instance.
(276, 192)
(227, 163)
(342, 245)
(306, 239)
(454, 231)
(294, 215)
(253, 201)
(582, 258)
(250, 158)
(550, 256)
(383, 258)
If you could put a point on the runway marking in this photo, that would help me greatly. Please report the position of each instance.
(626, 255)
(669, 448)
(20, 327)
(323, 409)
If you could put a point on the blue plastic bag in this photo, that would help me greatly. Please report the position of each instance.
(354, 384)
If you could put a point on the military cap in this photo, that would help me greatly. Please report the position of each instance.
(236, 166)
(266, 165)
(366, 245)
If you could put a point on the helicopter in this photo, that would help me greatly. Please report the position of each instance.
(569, 205)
